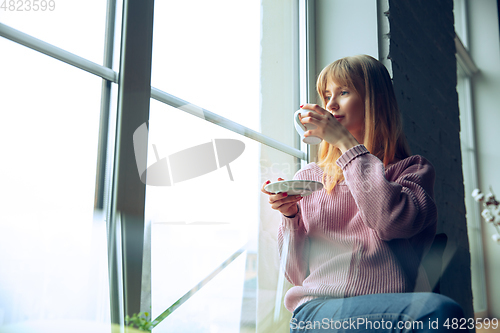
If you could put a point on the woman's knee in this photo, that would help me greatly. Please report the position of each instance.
(440, 306)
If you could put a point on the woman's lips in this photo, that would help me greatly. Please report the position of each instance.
(338, 117)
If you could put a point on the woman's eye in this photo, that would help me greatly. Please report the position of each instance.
(327, 98)
(344, 93)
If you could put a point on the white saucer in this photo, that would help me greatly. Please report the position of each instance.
(294, 187)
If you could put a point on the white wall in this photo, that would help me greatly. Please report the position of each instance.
(339, 33)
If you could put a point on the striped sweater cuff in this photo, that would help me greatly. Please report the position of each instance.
(292, 223)
(351, 154)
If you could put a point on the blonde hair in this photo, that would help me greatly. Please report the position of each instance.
(383, 128)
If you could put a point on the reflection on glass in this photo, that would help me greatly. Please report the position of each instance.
(272, 316)
(202, 224)
(52, 243)
(209, 54)
(209, 232)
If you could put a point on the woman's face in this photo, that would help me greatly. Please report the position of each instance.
(348, 107)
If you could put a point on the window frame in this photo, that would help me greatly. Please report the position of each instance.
(467, 66)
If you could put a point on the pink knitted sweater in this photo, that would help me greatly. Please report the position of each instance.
(368, 236)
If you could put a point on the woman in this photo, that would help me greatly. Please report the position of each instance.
(353, 249)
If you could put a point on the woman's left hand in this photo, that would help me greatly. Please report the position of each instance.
(327, 127)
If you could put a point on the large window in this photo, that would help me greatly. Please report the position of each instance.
(137, 135)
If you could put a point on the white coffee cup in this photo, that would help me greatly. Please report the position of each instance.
(302, 128)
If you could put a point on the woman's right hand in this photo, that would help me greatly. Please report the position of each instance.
(286, 205)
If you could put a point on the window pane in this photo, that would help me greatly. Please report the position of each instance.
(207, 53)
(75, 26)
(224, 57)
(52, 244)
(460, 14)
(200, 222)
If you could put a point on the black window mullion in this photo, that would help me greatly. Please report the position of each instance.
(128, 192)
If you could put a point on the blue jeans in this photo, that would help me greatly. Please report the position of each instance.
(405, 312)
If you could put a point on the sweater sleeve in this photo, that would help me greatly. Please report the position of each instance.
(293, 245)
(397, 203)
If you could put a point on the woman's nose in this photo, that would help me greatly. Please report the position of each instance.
(332, 105)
